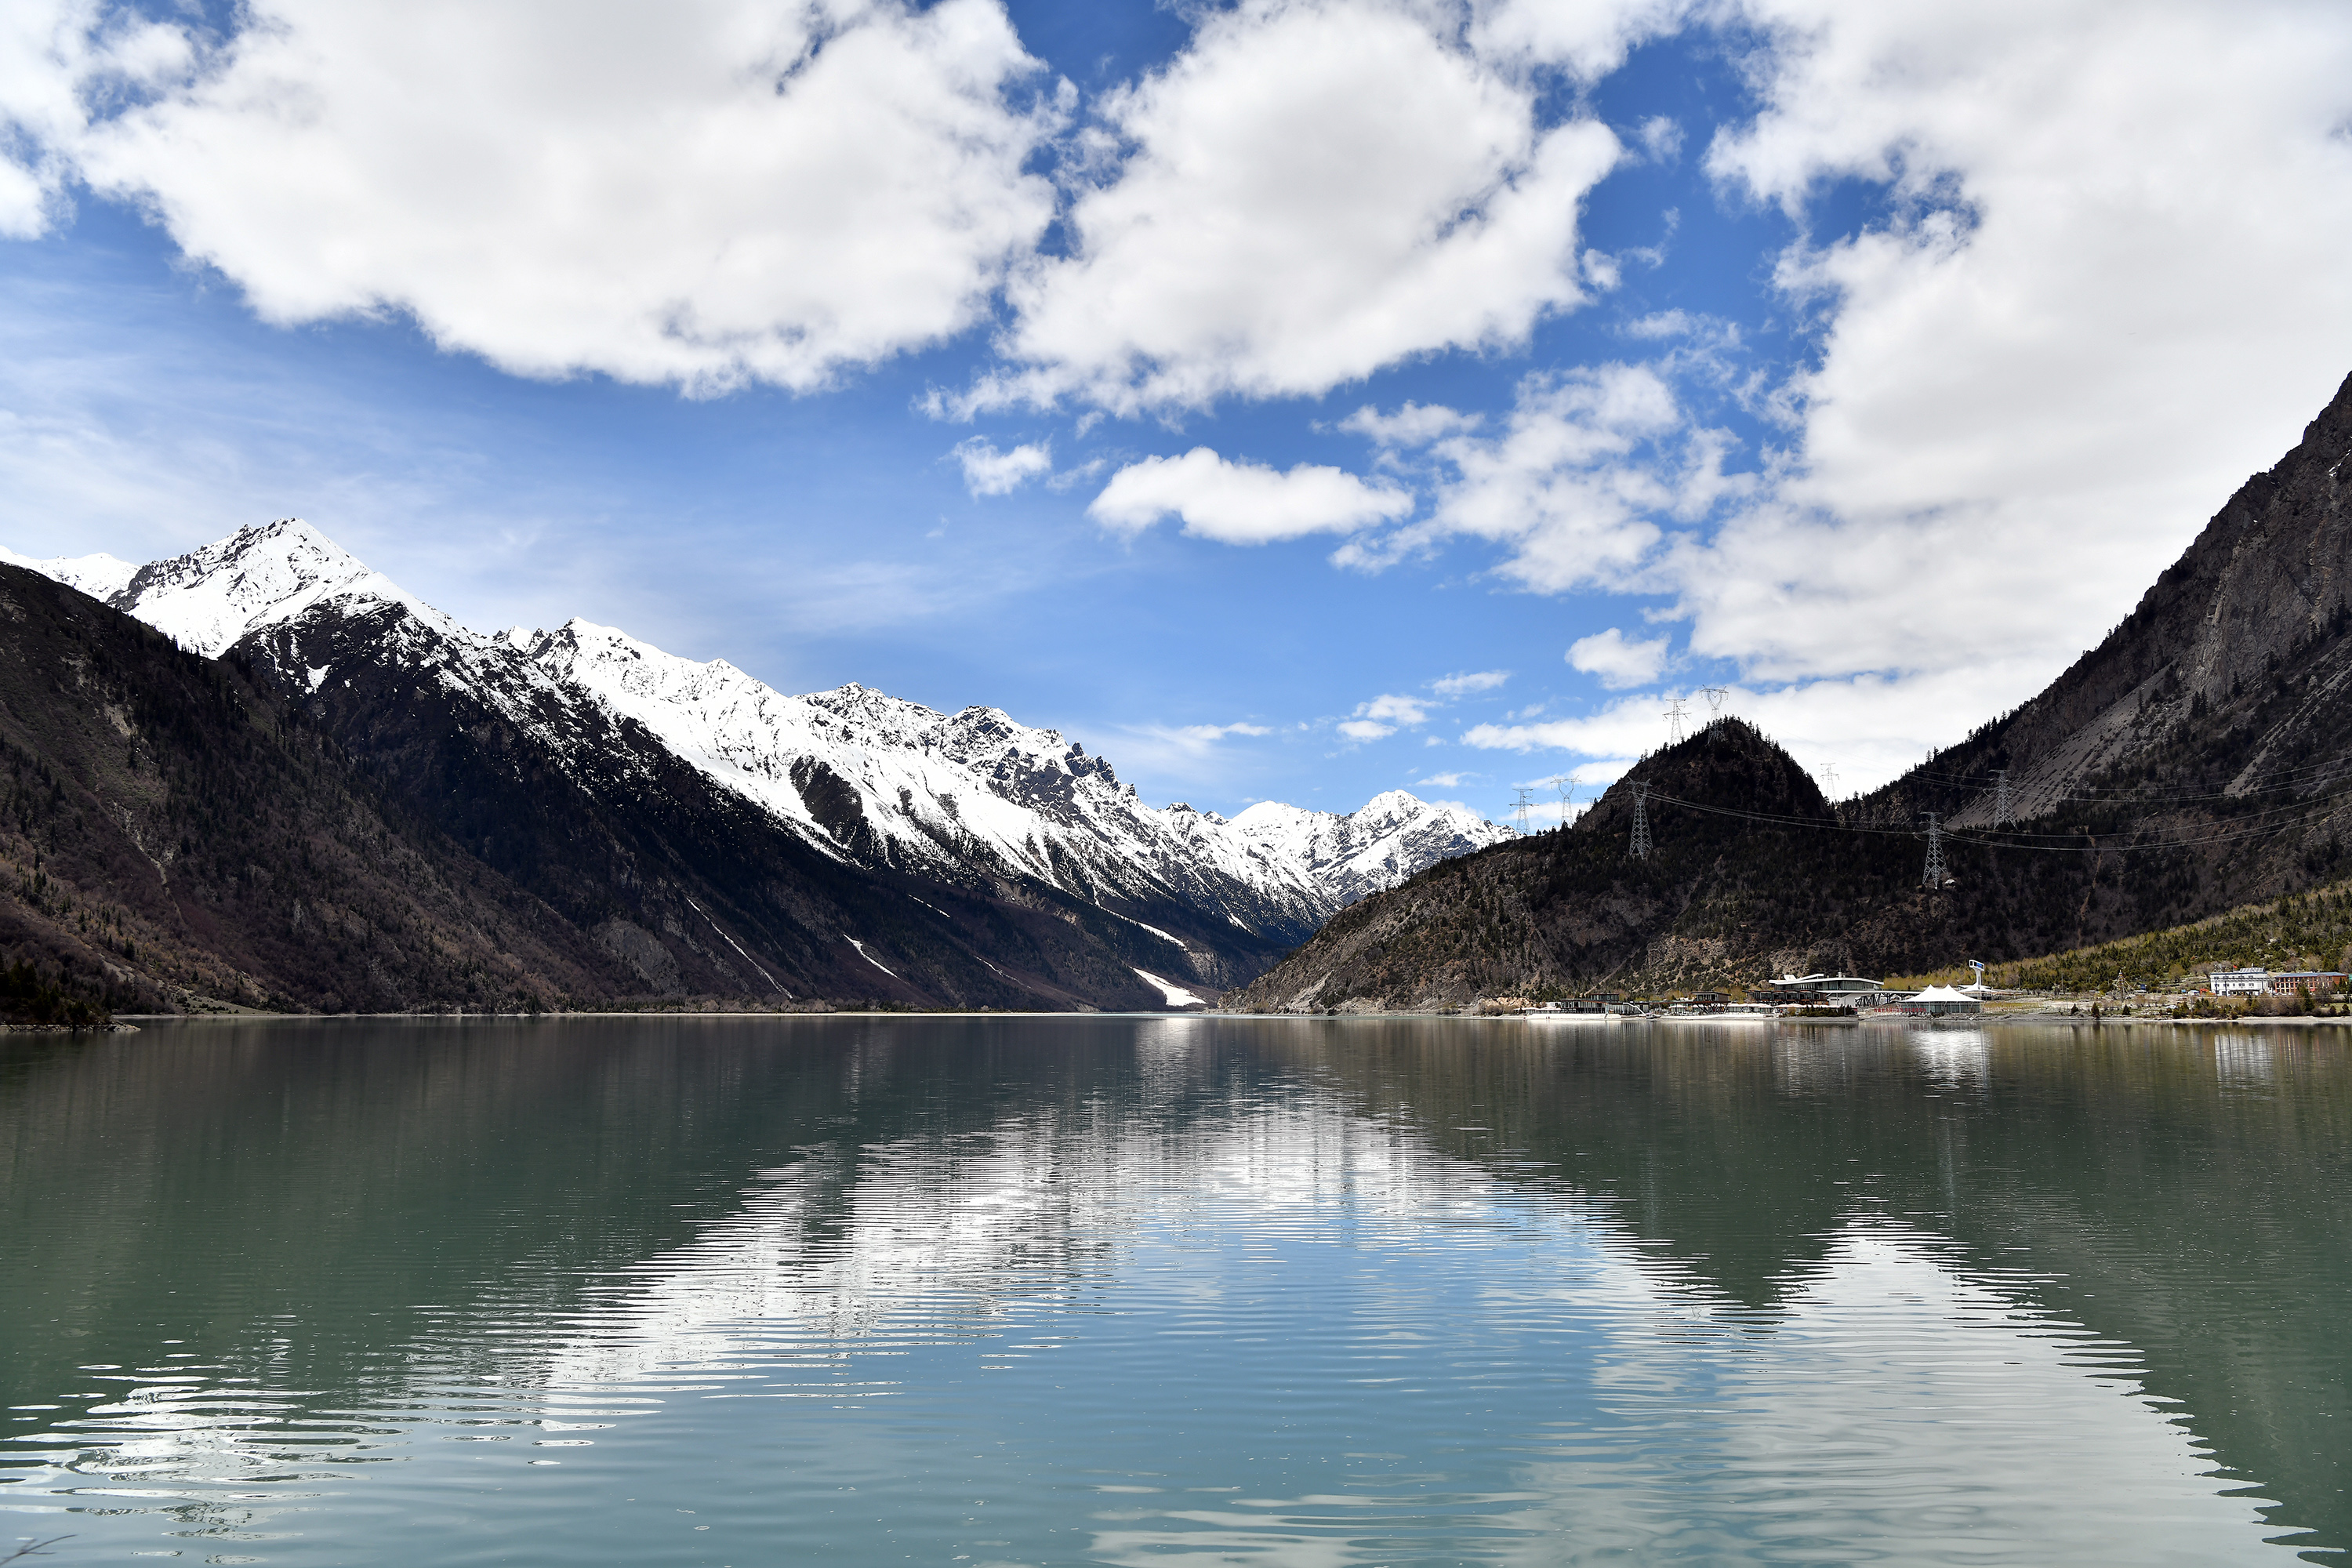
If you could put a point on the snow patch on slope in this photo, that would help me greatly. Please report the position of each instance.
(1177, 996)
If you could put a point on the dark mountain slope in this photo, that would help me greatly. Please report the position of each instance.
(1723, 898)
(2226, 694)
(695, 887)
(2199, 759)
(178, 832)
(170, 832)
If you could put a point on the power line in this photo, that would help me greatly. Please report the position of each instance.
(2282, 780)
(2255, 829)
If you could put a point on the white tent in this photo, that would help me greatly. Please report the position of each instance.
(1942, 999)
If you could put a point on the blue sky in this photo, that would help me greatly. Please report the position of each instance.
(1290, 400)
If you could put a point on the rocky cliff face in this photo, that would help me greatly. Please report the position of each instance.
(2232, 680)
(2199, 759)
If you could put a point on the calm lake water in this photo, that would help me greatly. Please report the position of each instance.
(1174, 1290)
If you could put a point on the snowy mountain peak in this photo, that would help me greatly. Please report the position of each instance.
(861, 774)
(258, 576)
(101, 576)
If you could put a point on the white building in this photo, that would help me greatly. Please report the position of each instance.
(2249, 982)
(1828, 990)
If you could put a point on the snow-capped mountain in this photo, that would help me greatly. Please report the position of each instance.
(881, 778)
(258, 577)
(1395, 835)
(973, 800)
(100, 577)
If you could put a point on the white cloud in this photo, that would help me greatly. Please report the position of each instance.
(1587, 40)
(1661, 139)
(1164, 759)
(989, 473)
(2110, 287)
(1571, 487)
(1206, 732)
(1619, 663)
(54, 54)
(1449, 781)
(2098, 219)
(1871, 727)
(1241, 502)
(1394, 709)
(1070, 478)
(1384, 715)
(1311, 190)
(703, 194)
(1414, 425)
(1464, 685)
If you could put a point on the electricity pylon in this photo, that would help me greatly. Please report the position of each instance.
(2000, 816)
(1674, 711)
(1641, 822)
(1933, 877)
(1715, 700)
(1524, 795)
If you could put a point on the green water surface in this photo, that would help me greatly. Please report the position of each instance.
(1174, 1291)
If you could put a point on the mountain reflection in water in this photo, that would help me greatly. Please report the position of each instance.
(1106, 1289)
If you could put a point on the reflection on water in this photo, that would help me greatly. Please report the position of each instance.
(1957, 1058)
(1190, 1289)
(2241, 1058)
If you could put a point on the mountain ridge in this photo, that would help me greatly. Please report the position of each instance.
(715, 835)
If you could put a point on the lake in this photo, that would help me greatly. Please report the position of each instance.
(736, 1291)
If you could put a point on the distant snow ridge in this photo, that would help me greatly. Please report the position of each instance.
(870, 778)
(1394, 837)
(100, 577)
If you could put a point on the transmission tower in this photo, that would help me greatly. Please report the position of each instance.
(1829, 778)
(1567, 799)
(1933, 877)
(1715, 701)
(2000, 816)
(1520, 810)
(1674, 711)
(1641, 822)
